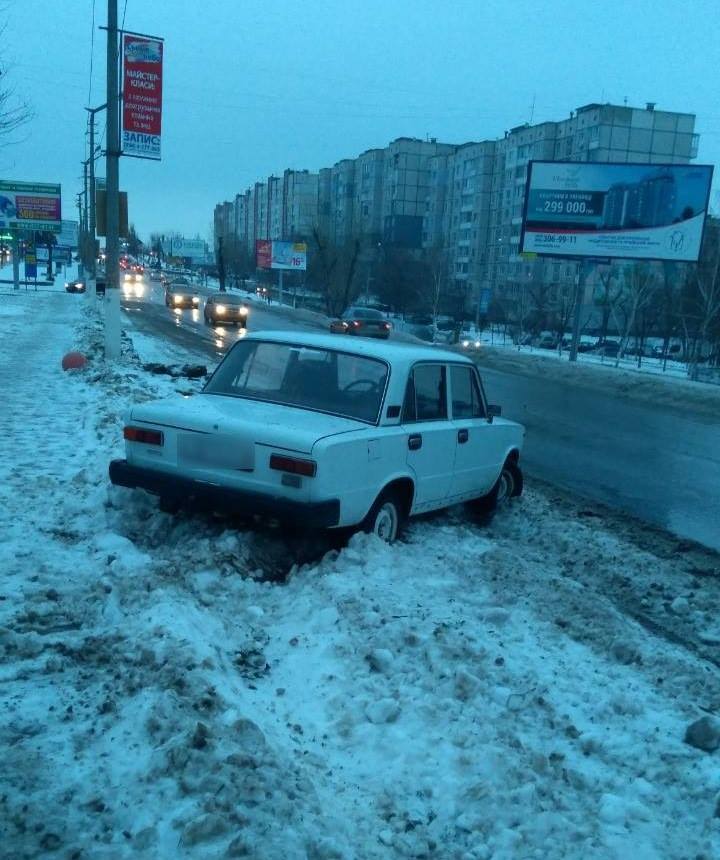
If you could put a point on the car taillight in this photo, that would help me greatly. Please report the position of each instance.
(308, 468)
(140, 434)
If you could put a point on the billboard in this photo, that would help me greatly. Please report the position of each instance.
(263, 253)
(30, 206)
(632, 211)
(273, 254)
(289, 255)
(178, 246)
(142, 96)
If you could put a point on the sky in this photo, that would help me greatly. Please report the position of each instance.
(254, 87)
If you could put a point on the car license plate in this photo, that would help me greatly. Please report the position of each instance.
(215, 450)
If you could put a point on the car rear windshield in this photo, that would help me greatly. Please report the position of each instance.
(306, 377)
(365, 314)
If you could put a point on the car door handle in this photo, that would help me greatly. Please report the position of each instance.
(414, 441)
(463, 436)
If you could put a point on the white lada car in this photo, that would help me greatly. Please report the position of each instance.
(307, 430)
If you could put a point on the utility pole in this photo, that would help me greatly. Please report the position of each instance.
(579, 296)
(92, 221)
(112, 170)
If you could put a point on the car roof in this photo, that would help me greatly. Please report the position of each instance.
(227, 297)
(392, 351)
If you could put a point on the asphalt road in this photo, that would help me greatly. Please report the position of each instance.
(660, 465)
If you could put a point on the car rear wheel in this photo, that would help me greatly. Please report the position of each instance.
(386, 517)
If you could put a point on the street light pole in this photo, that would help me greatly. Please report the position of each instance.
(112, 217)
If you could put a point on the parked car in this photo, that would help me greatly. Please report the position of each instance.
(75, 286)
(362, 321)
(179, 294)
(608, 348)
(548, 342)
(226, 309)
(303, 429)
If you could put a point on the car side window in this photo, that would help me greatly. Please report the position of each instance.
(466, 399)
(426, 394)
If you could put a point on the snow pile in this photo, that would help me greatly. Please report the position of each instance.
(467, 694)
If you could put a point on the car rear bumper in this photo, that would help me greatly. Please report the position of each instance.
(186, 490)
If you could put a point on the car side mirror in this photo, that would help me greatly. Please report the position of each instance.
(493, 411)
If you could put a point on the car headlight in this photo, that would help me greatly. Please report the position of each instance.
(196, 300)
(477, 344)
(243, 312)
(128, 277)
(177, 299)
(466, 343)
(220, 309)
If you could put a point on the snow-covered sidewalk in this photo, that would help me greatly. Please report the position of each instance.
(518, 691)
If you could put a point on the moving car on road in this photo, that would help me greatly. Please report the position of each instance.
(226, 309)
(362, 321)
(298, 428)
(75, 286)
(180, 294)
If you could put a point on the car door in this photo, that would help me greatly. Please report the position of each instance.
(430, 435)
(479, 444)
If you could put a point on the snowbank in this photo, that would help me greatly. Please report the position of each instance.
(515, 691)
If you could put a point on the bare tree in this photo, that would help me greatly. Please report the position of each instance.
(704, 298)
(637, 291)
(334, 269)
(436, 260)
(14, 112)
(609, 293)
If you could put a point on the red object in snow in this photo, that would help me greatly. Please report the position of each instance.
(73, 361)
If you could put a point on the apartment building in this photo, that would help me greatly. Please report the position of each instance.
(464, 200)
(594, 132)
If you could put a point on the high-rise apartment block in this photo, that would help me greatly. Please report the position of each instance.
(464, 201)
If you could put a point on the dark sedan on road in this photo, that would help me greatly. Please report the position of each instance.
(75, 287)
(226, 309)
(180, 294)
(362, 321)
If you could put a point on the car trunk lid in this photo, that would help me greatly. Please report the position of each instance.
(246, 421)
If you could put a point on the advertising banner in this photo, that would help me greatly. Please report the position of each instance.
(263, 253)
(289, 255)
(632, 211)
(177, 246)
(142, 96)
(30, 206)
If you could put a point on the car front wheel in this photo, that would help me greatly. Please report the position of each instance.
(386, 517)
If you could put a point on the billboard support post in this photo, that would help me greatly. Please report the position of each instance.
(280, 286)
(16, 260)
(579, 296)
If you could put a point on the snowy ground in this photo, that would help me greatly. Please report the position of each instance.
(517, 691)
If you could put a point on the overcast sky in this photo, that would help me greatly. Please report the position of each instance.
(254, 86)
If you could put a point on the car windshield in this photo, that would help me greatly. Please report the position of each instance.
(323, 380)
(223, 299)
(179, 282)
